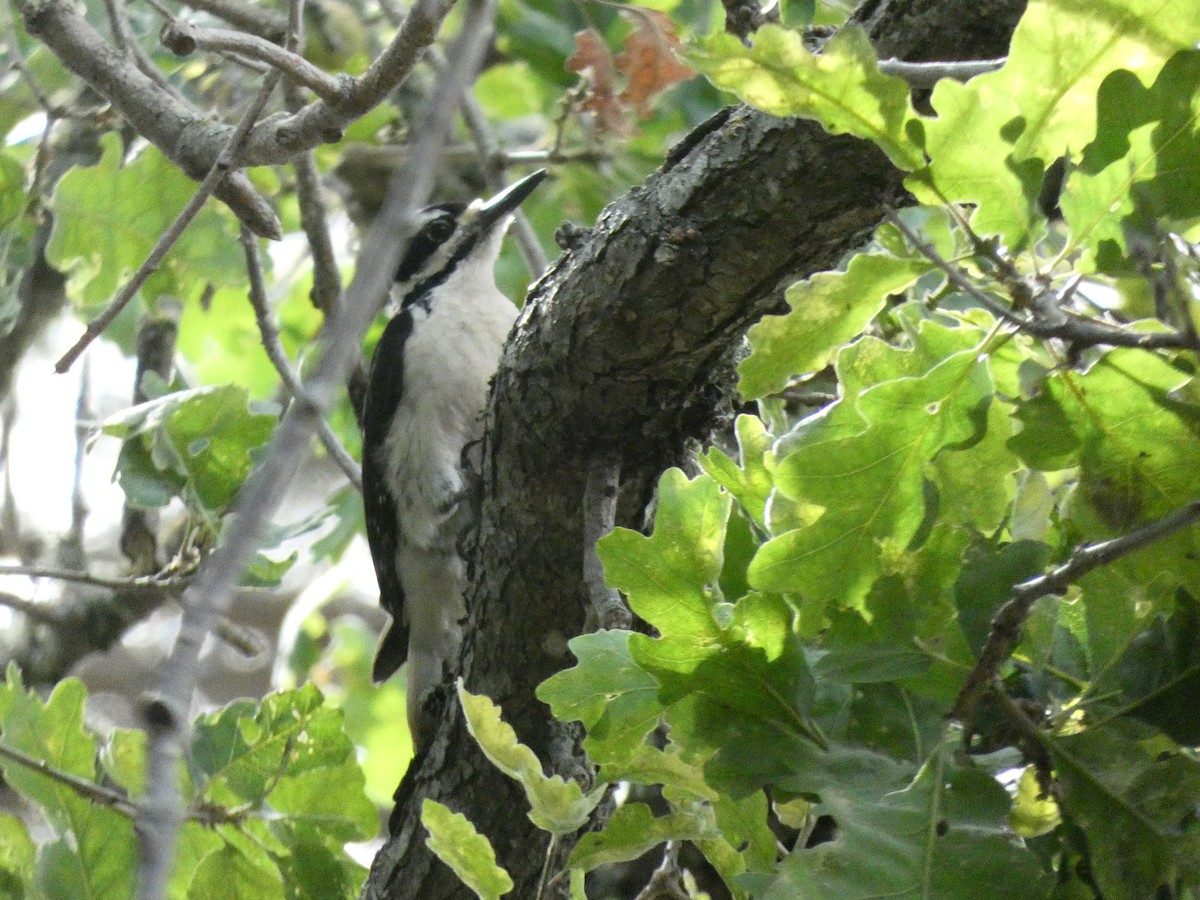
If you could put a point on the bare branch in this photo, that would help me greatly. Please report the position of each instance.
(278, 356)
(667, 881)
(221, 169)
(600, 513)
(208, 598)
(184, 39)
(89, 790)
(205, 813)
(541, 157)
(278, 140)
(260, 20)
(493, 162)
(1050, 320)
(327, 280)
(42, 613)
(18, 61)
(70, 548)
(151, 583)
(158, 115)
(1006, 626)
(129, 46)
(927, 74)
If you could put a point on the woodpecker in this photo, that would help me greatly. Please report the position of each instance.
(424, 405)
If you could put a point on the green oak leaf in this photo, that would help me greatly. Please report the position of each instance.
(1041, 105)
(615, 699)
(1142, 166)
(94, 850)
(1130, 795)
(842, 87)
(454, 840)
(633, 829)
(828, 310)
(942, 835)
(109, 216)
(556, 805)
(869, 485)
(196, 444)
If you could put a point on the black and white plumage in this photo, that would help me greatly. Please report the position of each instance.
(424, 405)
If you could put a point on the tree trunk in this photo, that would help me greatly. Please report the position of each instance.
(625, 347)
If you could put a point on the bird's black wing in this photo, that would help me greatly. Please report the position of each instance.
(384, 390)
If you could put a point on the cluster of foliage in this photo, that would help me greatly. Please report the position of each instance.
(81, 191)
(288, 754)
(822, 596)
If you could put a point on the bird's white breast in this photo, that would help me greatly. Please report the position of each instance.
(449, 358)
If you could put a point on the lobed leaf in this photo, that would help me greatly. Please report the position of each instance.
(842, 87)
(454, 840)
(556, 805)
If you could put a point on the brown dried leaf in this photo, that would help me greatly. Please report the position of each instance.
(594, 62)
(649, 61)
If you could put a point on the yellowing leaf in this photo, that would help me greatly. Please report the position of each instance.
(557, 805)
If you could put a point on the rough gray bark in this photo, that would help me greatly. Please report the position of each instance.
(625, 346)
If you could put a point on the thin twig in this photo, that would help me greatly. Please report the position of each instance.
(120, 26)
(18, 62)
(278, 356)
(1050, 320)
(314, 219)
(228, 160)
(70, 549)
(1006, 626)
(205, 813)
(665, 884)
(927, 74)
(89, 790)
(209, 597)
(153, 583)
(183, 39)
(599, 516)
(541, 157)
(493, 163)
(131, 49)
(39, 612)
(543, 881)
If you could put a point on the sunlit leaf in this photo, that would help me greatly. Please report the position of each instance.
(456, 843)
(556, 805)
(842, 87)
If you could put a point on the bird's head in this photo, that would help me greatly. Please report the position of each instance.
(451, 235)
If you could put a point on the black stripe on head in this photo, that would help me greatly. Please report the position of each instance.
(439, 224)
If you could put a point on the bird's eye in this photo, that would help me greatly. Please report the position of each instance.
(440, 229)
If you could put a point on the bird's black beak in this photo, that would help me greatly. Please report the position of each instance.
(506, 202)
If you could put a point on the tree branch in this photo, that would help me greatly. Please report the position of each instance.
(1049, 319)
(219, 173)
(278, 356)
(626, 347)
(194, 143)
(152, 583)
(1006, 626)
(157, 114)
(89, 790)
(184, 39)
